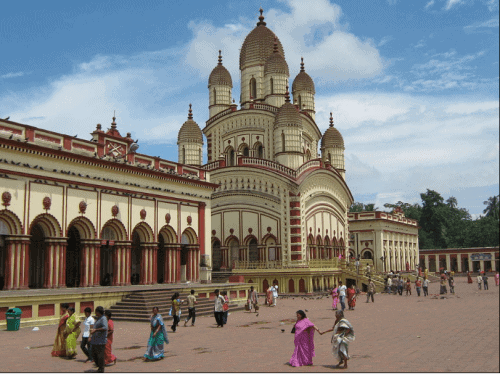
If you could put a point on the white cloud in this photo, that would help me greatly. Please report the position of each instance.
(482, 26)
(310, 29)
(12, 75)
(451, 3)
(429, 4)
(468, 108)
(492, 5)
(385, 40)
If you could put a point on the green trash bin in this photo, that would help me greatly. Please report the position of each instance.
(13, 317)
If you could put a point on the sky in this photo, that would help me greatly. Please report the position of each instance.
(413, 85)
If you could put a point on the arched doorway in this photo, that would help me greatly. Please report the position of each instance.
(265, 285)
(291, 286)
(37, 257)
(106, 256)
(136, 259)
(4, 232)
(253, 251)
(234, 250)
(73, 258)
(216, 256)
(184, 256)
(161, 260)
(368, 255)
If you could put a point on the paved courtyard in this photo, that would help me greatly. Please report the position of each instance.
(395, 334)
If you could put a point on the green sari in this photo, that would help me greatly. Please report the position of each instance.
(71, 335)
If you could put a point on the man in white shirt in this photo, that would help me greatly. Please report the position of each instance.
(479, 279)
(274, 290)
(218, 310)
(88, 324)
(426, 286)
(389, 284)
(341, 289)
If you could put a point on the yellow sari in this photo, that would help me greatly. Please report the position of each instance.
(71, 335)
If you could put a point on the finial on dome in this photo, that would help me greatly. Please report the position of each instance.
(287, 95)
(302, 64)
(331, 120)
(190, 115)
(261, 18)
(220, 57)
(113, 124)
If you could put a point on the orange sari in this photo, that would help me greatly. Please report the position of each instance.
(59, 348)
(108, 356)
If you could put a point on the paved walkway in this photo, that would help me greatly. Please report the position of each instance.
(395, 334)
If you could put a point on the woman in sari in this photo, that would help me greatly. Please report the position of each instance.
(351, 297)
(71, 333)
(335, 297)
(304, 341)
(343, 334)
(109, 357)
(59, 348)
(497, 278)
(157, 337)
(469, 278)
(269, 297)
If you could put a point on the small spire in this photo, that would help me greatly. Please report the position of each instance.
(261, 18)
(113, 124)
(302, 64)
(190, 114)
(331, 120)
(287, 95)
(220, 58)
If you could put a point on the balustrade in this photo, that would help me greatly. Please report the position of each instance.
(257, 265)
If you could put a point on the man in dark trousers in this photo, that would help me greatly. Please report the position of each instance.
(191, 301)
(99, 338)
(218, 310)
(371, 291)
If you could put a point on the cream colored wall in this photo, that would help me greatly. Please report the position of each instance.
(17, 190)
(165, 208)
(224, 98)
(38, 193)
(74, 197)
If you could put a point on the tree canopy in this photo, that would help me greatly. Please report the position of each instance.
(443, 224)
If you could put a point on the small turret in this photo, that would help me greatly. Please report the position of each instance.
(332, 148)
(303, 91)
(275, 77)
(190, 142)
(219, 87)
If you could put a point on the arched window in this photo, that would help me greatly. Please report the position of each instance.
(272, 85)
(200, 155)
(215, 96)
(330, 157)
(253, 88)
(246, 152)
(282, 142)
(231, 157)
(183, 155)
(260, 152)
(300, 103)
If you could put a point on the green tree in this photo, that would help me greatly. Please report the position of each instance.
(433, 218)
(492, 207)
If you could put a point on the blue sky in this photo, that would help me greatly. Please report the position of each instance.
(413, 85)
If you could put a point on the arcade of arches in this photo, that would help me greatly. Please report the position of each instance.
(44, 259)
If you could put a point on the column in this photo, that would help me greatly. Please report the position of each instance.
(84, 265)
(448, 264)
(493, 262)
(97, 265)
(459, 262)
(142, 278)
(168, 265)
(26, 272)
(178, 264)
(470, 262)
(155, 265)
(481, 265)
(128, 265)
(115, 266)
(189, 264)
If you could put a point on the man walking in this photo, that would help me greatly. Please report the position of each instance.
(274, 290)
(252, 300)
(371, 291)
(426, 286)
(342, 290)
(485, 281)
(389, 284)
(218, 310)
(479, 280)
(418, 284)
(99, 338)
(191, 301)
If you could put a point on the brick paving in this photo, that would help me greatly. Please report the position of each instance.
(395, 334)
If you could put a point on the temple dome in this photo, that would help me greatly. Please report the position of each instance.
(258, 45)
(303, 82)
(332, 137)
(276, 64)
(287, 115)
(220, 75)
(190, 131)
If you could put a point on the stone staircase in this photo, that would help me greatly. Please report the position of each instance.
(137, 306)
(221, 276)
(378, 280)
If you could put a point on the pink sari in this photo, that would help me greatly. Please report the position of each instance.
(497, 277)
(304, 344)
(335, 296)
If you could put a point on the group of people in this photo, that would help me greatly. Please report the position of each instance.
(396, 285)
(341, 293)
(482, 277)
(97, 337)
(272, 295)
(343, 334)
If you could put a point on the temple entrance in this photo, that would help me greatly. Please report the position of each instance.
(4, 232)
(253, 251)
(216, 256)
(37, 257)
(136, 259)
(73, 256)
(106, 256)
(160, 261)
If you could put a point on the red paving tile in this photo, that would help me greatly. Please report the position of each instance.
(395, 334)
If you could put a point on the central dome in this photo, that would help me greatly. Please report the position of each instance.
(258, 45)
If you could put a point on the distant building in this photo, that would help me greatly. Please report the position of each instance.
(389, 241)
(472, 259)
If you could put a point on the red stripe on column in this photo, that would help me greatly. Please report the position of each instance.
(97, 265)
(129, 264)
(115, 265)
(178, 263)
(155, 266)
(26, 264)
(143, 258)
(16, 264)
